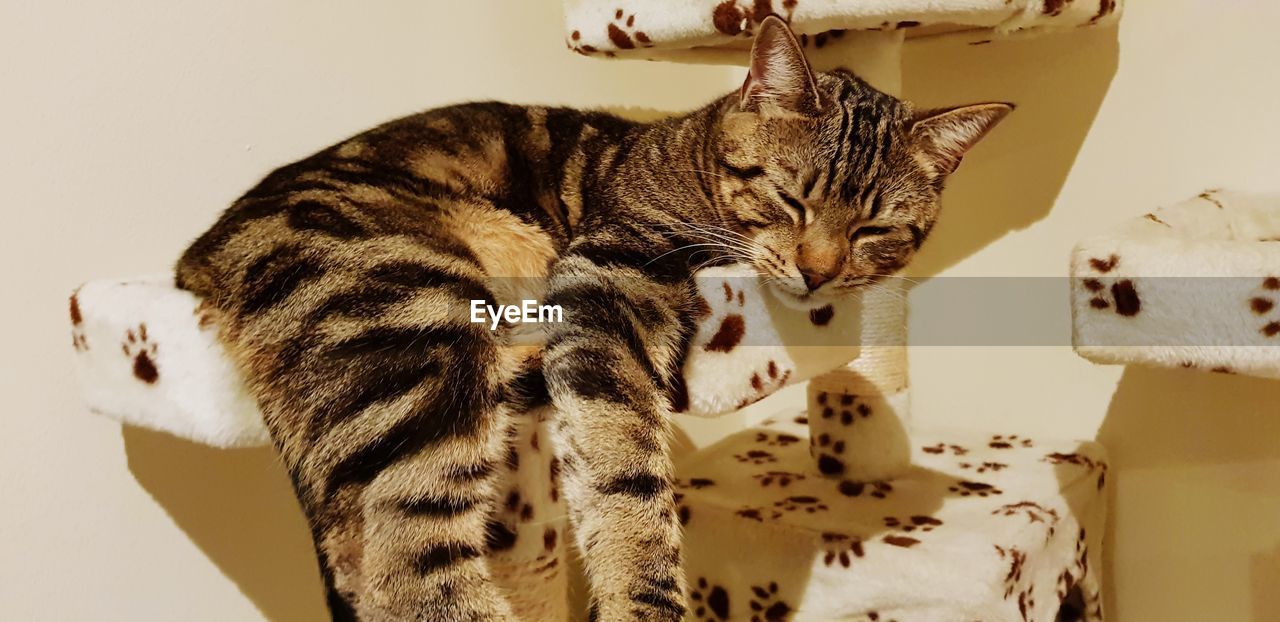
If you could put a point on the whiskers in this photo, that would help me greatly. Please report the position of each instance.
(710, 239)
(875, 283)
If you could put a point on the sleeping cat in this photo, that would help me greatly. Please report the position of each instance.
(342, 285)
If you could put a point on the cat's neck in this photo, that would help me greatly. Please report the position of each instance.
(665, 167)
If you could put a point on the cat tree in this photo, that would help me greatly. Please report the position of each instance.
(839, 510)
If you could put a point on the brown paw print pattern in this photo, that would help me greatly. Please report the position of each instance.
(778, 439)
(765, 604)
(840, 548)
(732, 327)
(918, 523)
(756, 456)
(1263, 303)
(683, 511)
(1001, 441)
(843, 407)
(740, 17)
(1034, 512)
(1079, 597)
(764, 382)
(942, 448)
(1016, 559)
(622, 31)
(828, 463)
(1074, 601)
(905, 542)
(141, 352)
(833, 412)
(1026, 603)
(1080, 460)
(985, 467)
(781, 479)
(709, 602)
(965, 488)
(1123, 295)
(801, 503)
(876, 490)
(756, 514)
(78, 340)
(1105, 8)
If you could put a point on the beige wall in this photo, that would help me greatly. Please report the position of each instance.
(126, 126)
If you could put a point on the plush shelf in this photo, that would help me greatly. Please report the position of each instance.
(147, 354)
(980, 527)
(1195, 285)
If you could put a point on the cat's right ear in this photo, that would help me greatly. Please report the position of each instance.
(779, 76)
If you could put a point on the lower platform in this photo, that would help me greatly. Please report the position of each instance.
(983, 527)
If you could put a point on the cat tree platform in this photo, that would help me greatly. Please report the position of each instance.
(832, 32)
(980, 527)
(148, 355)
(1195, 285)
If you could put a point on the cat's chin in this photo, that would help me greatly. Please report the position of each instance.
(798, 302)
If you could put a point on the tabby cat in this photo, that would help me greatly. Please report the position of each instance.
(342, 284)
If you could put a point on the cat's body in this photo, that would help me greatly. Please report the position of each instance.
(343, 286)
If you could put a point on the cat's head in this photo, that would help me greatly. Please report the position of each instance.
(834, 183)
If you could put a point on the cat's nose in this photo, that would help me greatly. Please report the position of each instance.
(818, 263)
(813, 279)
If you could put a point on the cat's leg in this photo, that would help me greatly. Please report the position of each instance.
(608, 367)
(387, 405)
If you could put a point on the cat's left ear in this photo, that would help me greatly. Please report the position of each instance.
(942, 137)
(779, 74)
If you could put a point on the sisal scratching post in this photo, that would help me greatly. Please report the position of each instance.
(858, 415)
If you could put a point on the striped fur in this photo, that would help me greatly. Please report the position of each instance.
(342, 285)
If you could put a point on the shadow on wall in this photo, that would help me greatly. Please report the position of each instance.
(1264, 576)
(1021, 167)
(238, 506)
(1186, 440)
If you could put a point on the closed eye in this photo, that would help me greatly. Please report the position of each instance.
(867, 232)
(794, 203)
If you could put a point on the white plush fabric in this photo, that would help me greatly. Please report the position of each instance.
(1195, 285)
(145, 356)
(717, 31)
(981, 527)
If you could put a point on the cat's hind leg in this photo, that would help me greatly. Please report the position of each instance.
(387, 404)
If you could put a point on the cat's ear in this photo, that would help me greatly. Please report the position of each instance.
(942, 137)
(779, 74)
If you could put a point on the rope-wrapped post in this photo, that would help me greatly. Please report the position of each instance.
(859, 414)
